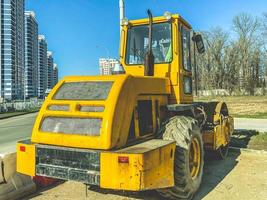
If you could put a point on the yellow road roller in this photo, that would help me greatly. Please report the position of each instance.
(137, 129)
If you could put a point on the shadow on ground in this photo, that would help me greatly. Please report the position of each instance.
(214, 172)
(242, 137)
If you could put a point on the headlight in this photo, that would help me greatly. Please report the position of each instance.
(125, 21)
(70, 125)
(167, 15)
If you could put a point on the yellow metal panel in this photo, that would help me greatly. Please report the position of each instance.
(178, 95)
(123, 41)
(223, 132)
(174, 78)
(26, 158)
(114, 175)
(159, 20)
(118, 107)
(147, 168)
(219, 139)
(158, 171)
(224, 129)
(155, 20)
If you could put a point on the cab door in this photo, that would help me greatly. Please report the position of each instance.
(186, 91)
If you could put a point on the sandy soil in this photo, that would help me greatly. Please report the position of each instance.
(244, 106)
(240, 176)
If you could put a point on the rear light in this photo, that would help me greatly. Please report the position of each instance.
(22, 148)
(123, 159)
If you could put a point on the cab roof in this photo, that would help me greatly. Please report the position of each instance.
(159, 19)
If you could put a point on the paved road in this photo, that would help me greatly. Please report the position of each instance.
(251, 124)
(14, 129)
(18, 128)
(243, 175)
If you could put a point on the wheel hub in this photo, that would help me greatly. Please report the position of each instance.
(194, 158)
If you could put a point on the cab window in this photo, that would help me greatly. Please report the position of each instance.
(137, 44)
(186, 49)
(187, 84)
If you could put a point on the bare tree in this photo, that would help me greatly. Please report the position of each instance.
(247, 29)
(264, 26)
(235, 63)
(211, 64)
(232, 67)
(263, 72)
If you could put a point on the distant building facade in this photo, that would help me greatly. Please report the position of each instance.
(50, 65)
(26, 68)
(106, 65)
(31, 55)
(12, 49)
(42, 66)
(55, 74)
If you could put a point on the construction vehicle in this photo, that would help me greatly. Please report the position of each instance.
(138, 129)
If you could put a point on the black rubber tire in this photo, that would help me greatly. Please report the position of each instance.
(183, 130)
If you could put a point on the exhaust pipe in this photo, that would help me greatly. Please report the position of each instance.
(149, 57)
(122, 15)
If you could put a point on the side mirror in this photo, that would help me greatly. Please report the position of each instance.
(197, 38)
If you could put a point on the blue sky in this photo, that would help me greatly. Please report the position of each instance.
(79, 31)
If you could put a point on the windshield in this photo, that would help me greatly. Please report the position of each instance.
(137, 43)
(83, 91)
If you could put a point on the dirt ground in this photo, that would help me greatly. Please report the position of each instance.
(242, 106)
(243, 175)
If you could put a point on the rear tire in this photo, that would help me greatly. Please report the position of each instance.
(189, 157)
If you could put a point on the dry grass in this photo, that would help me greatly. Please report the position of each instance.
(250, 139)
(242, 106)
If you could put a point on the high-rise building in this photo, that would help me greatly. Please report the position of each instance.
(50, 65)
(31, 54)
(12, 49)
(55, 74)
(42, 66)
(106, 65)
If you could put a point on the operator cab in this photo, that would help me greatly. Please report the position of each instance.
(171, 45)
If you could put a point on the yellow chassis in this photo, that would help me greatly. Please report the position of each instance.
(144, 166)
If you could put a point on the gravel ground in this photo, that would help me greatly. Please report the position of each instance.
(241, 176)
